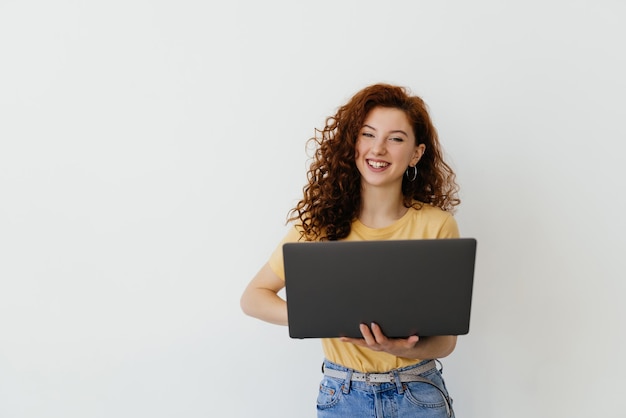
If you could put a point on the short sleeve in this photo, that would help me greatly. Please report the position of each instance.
(449, 228)
(276, 261)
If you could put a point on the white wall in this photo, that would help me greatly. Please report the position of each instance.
(150, 151)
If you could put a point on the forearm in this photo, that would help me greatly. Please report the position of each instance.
(264, 304)
(260, 298)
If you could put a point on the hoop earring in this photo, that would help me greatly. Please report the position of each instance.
(414, 176)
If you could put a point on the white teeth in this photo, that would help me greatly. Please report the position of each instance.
(378, 164)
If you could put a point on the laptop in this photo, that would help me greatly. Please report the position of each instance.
(409, 287)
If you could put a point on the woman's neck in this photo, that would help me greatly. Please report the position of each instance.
(381, 208)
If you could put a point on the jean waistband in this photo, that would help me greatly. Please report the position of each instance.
(411, 375)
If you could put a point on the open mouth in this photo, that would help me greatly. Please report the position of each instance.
(377, 164)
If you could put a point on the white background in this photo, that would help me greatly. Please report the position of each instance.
(150, 151)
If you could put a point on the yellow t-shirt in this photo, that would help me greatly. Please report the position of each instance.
(426, 223)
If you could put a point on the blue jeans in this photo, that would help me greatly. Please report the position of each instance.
(344, 398)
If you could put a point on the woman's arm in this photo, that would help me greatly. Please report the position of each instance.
(413, 347)
(260, 298)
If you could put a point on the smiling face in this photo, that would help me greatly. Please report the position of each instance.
(386, 147)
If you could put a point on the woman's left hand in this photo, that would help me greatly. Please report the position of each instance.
(374, 339)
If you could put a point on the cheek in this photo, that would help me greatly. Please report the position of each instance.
(357, 149)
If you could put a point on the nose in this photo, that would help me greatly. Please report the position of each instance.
(378, 147)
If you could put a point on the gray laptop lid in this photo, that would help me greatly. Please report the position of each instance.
(408, 287)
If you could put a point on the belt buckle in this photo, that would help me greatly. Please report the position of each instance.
(369, 380)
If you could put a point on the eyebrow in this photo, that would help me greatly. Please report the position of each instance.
(397, 131)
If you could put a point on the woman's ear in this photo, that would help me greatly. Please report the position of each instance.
(419, 151)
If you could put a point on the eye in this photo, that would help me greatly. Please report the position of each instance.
(396, 139)
(367, 135)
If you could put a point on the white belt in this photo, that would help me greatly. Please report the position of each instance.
(411, 375)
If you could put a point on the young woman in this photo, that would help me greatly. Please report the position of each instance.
(377, 173)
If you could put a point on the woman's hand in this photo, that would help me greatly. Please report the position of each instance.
(414, 347)
(374, 339)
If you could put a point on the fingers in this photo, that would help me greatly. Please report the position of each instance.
(375, 339)
(378, 334)
(356, 341)
(392, 343)
(369, 338)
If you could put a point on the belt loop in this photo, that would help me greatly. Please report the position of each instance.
(345, 388)
(398, 382)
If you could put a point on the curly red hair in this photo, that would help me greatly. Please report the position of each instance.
(332, 196)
